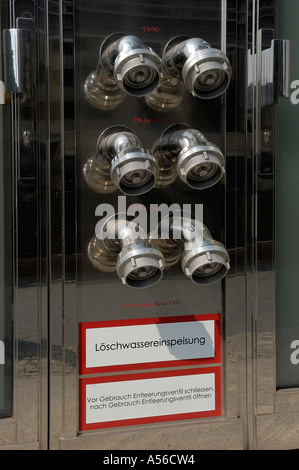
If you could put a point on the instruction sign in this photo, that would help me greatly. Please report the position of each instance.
(123, 400)
(149, 343)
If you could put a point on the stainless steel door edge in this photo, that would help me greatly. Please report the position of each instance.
(27, 425)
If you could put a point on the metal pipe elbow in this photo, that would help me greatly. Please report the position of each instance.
(203, 259)
(134, 65)
(126, 66)
(205, 71)
(185, 152)
(120, 162)
(122, 248)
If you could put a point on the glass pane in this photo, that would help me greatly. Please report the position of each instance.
(287, 202)
(5, 252)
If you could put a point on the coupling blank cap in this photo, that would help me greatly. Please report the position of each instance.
(207, 73)
(201, 166)
(137, 72)
(140, 266)
(134, 172)
(205, 264)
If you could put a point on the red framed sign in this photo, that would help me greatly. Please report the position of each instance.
(145, 343)
(149, 397)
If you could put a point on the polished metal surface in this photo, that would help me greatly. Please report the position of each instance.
(18, 59)
(269, 68)
(101, 90)
(265, 421)
(168, 95)
(282, 76)
(26, 427)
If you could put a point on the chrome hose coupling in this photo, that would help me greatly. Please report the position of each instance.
(205, 71)
(120, 162)
(126, 66)
(203, 259)
(123, 247)
(185, 152)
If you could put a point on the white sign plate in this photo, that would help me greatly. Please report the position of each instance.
(140, 398)
(109, 344)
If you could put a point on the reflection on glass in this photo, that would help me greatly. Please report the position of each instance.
(287, 221)
(5, 270)
(5, 252)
